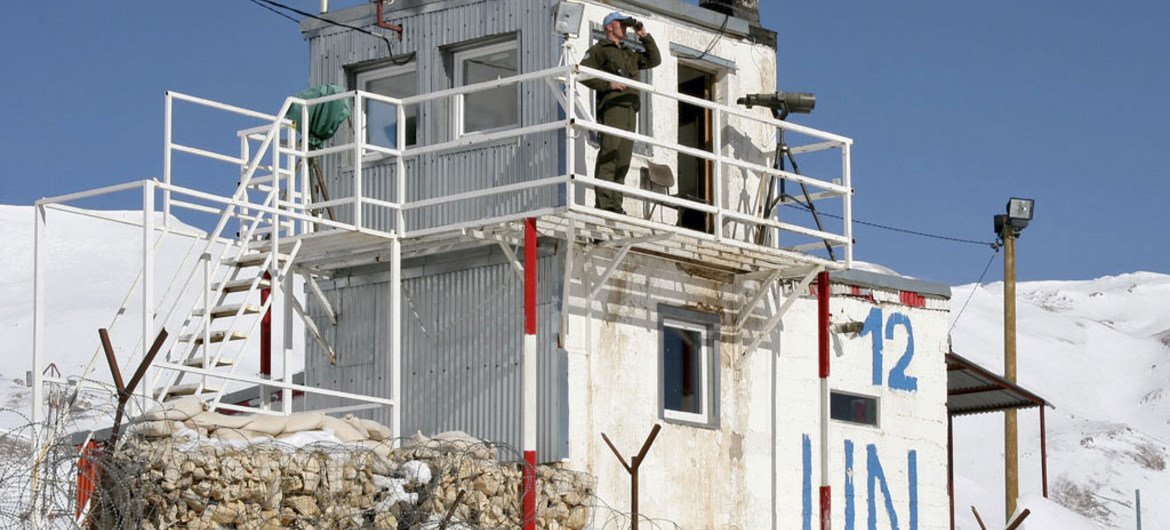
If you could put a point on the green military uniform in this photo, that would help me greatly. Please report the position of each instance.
(617, 108)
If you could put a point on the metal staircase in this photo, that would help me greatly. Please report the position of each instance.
(221, 323)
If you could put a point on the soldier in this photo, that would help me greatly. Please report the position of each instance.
(617, 105)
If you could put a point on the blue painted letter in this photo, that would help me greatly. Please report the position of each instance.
(806, 471)
(878, 477)
(849, 511)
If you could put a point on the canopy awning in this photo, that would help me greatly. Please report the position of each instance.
(972, 389)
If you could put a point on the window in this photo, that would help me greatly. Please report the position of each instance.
(688, 366)
(853, 408)
(487, 110)
(381, 126)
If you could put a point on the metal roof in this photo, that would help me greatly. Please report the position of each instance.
(972, 389)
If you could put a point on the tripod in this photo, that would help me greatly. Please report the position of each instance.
(804, 199)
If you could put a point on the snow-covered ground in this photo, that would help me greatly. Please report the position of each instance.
(1098, 350)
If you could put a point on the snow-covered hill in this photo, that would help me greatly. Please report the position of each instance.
(1098, 350)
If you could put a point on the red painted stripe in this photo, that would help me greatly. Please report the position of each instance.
(911, 299)
(87, 475)
(826, 499)
(529, 490)
(530, 276)
(823, 323)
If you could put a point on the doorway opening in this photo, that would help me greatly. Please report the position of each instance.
(695, 130)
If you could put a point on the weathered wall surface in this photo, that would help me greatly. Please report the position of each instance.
(761, 461)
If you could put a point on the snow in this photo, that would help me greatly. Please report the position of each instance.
(1098, 350)
(1095, 350)
(92, 262)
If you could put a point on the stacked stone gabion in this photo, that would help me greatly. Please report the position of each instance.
(194, 482)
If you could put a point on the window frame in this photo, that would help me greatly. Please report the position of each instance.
(458, 57)
(707, 324)
(363, 77)
(877, 409)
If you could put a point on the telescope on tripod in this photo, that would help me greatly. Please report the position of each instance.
(782, 104)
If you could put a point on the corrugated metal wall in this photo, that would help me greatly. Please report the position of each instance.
(431, 34)
(462, 343)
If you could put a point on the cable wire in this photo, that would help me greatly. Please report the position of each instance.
(978, 283)
(718, 37)
(991, 244)
(307, 14)
(270, 8)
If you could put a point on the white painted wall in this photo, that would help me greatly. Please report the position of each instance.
(743, 473)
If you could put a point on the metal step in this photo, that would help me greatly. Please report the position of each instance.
(197, 362)
(240, 285)
(216, 336)
(253, 259)
(187, 389)
(225, 311)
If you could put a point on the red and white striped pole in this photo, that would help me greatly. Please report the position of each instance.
(823, 362)
(529, 364)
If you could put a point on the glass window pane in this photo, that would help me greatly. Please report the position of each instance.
(682, 351)
(856, 409)
(498, 107)
(382, 118)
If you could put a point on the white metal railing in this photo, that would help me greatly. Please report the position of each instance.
(728, 171)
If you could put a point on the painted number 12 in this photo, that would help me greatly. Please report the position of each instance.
(898, 380)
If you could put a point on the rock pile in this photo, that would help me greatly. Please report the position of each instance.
(196, 474)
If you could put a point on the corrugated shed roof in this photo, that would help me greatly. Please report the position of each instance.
(972, 389)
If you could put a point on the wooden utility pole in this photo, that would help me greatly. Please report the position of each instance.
(1010, 432)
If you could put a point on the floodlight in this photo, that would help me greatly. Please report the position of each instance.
(1020, 209)
(1019, 212)
(568, 21)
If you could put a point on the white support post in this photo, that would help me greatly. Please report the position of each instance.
(206, 313)
(396, 335)
(400, 167)
(38, 360)
(147, 269)
(169, 107)
(306, 184)
(847, 203)
(38, 391)
(566, 282)
(570, 140)
(286, 373)
(717, 195)
(359, 139)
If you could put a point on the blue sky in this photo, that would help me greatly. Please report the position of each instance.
(954, 108)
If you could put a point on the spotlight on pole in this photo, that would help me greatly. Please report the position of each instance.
(1008, 227)
(1019, 212)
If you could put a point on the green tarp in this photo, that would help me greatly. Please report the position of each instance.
(324, 118)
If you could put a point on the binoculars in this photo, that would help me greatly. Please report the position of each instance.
(632, 23)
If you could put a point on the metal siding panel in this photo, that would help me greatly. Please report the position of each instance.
(486, 166)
